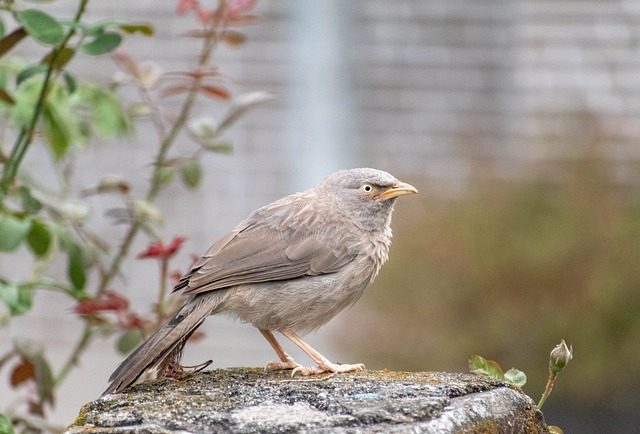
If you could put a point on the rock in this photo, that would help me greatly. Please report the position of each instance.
(255, 401)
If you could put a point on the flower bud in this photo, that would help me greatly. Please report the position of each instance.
(560, 356)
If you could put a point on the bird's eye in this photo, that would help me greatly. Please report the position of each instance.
(367, 188)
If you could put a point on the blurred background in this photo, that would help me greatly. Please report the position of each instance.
(518, 122)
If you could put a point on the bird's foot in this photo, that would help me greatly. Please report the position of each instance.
(172, 370)
(282, 366)
(178, 372)
(330, 368)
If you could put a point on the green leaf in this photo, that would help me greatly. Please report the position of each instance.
(57, 136)
(128, 341)
(5, 425)
(191, 173)
(481, 366)
(12, 231)
(4, 72)
(29, 203)
(69, 82)
(107, 117)
(165, 175)
(18, 299)
(44, 378)
(145, 29)
(2, 30)
(220, 146)
(39, 238)
(30, 71)
(76, 266)
(516, 377)
(41, 26)
(76, 260)
(25, 96)
(62, 123)
(102, 44)
(91, 30)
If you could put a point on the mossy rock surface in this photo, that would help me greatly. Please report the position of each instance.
(254, 401)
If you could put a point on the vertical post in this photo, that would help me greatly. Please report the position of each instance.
(320, 136)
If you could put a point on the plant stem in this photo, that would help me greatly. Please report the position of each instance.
(183, 116)
(25, 138)
(85, 338)
(164, 272)
(551, 381)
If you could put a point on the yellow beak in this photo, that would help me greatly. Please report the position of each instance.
(400, 189)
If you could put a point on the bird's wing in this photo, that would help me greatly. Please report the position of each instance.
(258, 251)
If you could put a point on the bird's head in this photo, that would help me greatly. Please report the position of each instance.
(366, 195)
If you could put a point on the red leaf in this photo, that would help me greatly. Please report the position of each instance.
(175, 246)
(196, 33)
(132, 320)
(185, 6)
(10, 40)
(126, 62)
(35, 408)
(174, 90)
(238, 7)
(109, 301)
(243, 20)
(197, 73)
(4, 96)
(24, 371)
(215, 92)
(207, 16)
(234, 38)
(154, 250)
(157, 249)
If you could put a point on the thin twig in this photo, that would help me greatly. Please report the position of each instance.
(155, 186)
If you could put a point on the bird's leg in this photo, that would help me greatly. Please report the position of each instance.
(286, 361)
(324, 365)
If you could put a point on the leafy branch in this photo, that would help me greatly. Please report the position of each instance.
(45, 102)
(25, 137)
(211, 37)
(559, 357)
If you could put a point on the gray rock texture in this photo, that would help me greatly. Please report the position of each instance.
(255, 401)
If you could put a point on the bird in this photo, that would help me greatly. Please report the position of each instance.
(288, 268)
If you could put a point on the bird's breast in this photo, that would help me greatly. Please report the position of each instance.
(377, 249)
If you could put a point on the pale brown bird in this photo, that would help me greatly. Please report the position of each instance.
(289, 268)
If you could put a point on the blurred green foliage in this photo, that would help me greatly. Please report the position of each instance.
(509, 269)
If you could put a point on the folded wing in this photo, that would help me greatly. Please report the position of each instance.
(261, 252)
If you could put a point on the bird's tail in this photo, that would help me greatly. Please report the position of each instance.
(162, 343)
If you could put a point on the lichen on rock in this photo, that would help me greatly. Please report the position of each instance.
(243, 400)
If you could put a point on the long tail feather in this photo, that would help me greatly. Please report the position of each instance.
(161, 344)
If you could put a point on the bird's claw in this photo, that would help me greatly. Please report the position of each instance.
(324, 368)
(177, 371)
